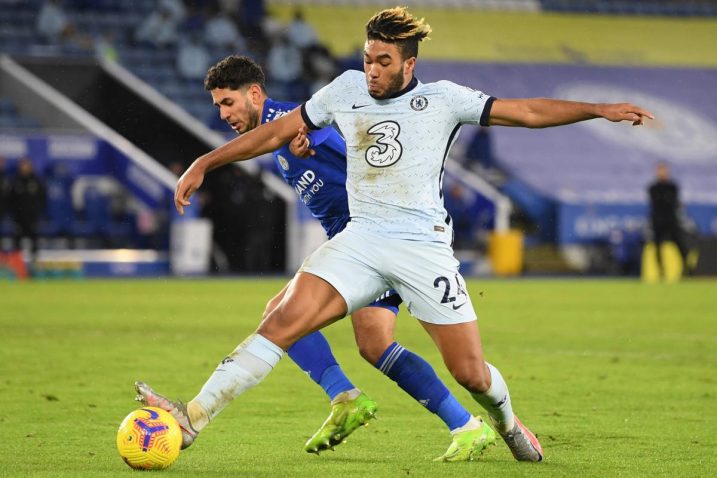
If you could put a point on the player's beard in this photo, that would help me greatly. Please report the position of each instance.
(395, 84)
(252, 117)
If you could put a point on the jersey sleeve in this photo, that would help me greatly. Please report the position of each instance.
(469, 106)
(316, 112)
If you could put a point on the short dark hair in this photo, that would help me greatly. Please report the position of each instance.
(234, 72)
(397, 25)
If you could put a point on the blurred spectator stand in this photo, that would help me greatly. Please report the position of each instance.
(192, 59)
(60, 211)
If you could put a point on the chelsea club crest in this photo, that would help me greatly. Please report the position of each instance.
(419, 103)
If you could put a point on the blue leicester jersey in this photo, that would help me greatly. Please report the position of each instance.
(320, 181)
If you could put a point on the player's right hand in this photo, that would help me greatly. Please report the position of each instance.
(190, 181)
(300, 146)
(617, 112)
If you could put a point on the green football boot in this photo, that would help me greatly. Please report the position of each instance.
(468, 445)
(345, 417)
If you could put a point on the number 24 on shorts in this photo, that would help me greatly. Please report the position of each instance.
(457, 298)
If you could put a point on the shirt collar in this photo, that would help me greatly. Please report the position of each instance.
(268, 103)
(411, 85)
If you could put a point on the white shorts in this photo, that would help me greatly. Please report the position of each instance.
(361, 265)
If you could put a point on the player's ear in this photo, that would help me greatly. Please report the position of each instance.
(410, 64)
(255, 93)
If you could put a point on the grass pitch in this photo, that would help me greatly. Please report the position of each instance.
(617, 378)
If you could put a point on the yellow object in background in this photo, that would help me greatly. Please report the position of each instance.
(505, 252)
(528, 37)
(672, 266)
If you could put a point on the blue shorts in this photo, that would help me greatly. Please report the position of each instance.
(390, 300)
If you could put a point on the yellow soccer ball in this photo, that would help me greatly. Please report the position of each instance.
(149, 438)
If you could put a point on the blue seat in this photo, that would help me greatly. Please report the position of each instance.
(100, 224)
(7, 107)
(97, 208)
(60, 212)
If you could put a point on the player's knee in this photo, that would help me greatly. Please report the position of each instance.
(372, 343)
(267, 309)
(282, 326)
(473, 379)
(271, 305)
(371, 352)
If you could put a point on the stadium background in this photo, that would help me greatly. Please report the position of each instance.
(119, 119)
(617, 377)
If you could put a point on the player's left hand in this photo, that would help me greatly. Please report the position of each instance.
(188, 183)
(300, 146)
(617, 112)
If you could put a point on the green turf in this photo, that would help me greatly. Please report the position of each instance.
(616, 377)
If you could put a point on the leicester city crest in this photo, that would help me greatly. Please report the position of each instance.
(284, 163)
(419, 103)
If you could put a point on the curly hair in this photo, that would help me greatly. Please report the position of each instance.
(397, 25)
(234, 72)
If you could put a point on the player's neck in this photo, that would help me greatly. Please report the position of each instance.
(260, 108)
(262, 103)
(411, 84)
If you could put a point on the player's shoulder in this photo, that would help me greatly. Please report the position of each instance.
(351, 76)
(445, 84)
(454, 93)
(344, 87)
(276, 109)
(450, 87)
(347, 79)
(281, 105)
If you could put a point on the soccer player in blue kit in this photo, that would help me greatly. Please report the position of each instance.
(398, 132)
(237, 86)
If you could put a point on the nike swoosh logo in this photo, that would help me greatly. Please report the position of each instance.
(355, 107)
(456, 307)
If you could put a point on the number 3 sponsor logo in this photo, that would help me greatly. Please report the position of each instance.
(388, 149)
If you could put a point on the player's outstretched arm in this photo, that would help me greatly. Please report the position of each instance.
(545, 112)
(265, 138)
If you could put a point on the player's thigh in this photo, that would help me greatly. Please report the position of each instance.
(349, 263)
(373, 330)
(462, 352)
(425, 274)
(309, 304)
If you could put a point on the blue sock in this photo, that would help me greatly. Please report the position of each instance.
(417, 378)
(313, 354)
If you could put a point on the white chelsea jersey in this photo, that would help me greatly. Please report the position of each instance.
(396, 150)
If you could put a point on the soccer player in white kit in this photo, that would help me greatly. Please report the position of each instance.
(398, 133)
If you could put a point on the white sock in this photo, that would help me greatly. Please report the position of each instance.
(496, 401)
(244, 368)
(346, 396)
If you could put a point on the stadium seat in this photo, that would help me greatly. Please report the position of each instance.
(7, 107)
